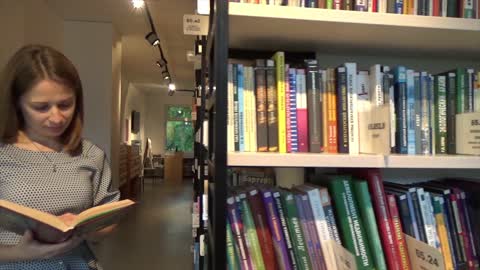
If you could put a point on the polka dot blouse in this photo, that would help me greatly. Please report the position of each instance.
(56, 183)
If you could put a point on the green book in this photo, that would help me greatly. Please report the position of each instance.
(440, 106)
(360, 189)
(461, 89)
(253, 244)
(296, 233)
(348, 217)
(232, 255)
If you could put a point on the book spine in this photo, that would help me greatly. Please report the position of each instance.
(476, 93)
(431, 94)
(362, 195)
(397, 226)
(246, 110)
(295, 230)
(383, 219)
(412, 85)
(391, 102)
(288, 124)
(314, 109)
(279, 58)
(232, 256)
(461, 78)
(283, 223)
(418, 112)
(440, 100)
(376, 90)
(427, 216)
(418, 215)
(353, 132)
(342, 110)
(458, 229)
(261, 102)
(279, 243)
(413, 216)
(363, 88)
(465, 231)
(451, 112)
(468, 11)
(425, 137)
(253, 109)
(469, 96)
(323, 81)
(405, 218)
(231, 113)
(329, 215)
(294, 147)
(241, 108)
(442, 231)
(237, 230)
(469, 228)
(263, 232)
(302, 112)
(272, 110)
(452, 229)
(236, 123)
(332, 113)
(253, 244)
(351, 227)
(315, 258)
(400, 96)
(361, 5)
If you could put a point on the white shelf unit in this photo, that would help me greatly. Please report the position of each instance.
(246, 159)
(421, 42)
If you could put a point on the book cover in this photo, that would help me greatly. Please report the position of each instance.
(272, 109)
(302, 111)
(49, 228)
(261, 105)
(329, 214)
(314, 107)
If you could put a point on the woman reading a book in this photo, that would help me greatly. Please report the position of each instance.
(45, 163)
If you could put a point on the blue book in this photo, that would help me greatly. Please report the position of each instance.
(292, 79)
(400, 100)
(411, 118)
(241, 107)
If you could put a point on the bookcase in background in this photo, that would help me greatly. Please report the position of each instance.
(435, 44)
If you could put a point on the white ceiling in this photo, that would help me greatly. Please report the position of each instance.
(139, 57)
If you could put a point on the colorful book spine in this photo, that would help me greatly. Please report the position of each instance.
(363, 90)
(237, 230)
(465, 234)
(272, 108)
(397, 226)
(296, 232)
(279, 243)
(329, 215)
(451, 112)
(461, 87)
(283, 221)
(425, 136)
(476, 93)
(376, 90)
(232, 256)
(236, 123)
(250, 231)
(302, 112)
(351, 226)
(279, 58)
(416, 111)
(231, 113)
(294, 146)
(427, 216)
(288, 109)
(411, 117)
(324, 89)
(332, 112)
(261, 105)
(352, 97)
(442, 231)
(360, 188)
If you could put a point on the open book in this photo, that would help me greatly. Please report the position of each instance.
(51, 229)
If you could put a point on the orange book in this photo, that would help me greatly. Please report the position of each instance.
(49, 228)
(402, 251)
(332, 112)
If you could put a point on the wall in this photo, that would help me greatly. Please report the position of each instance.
(134, 100)
(155, 120)
(28, 21)
(116, 101)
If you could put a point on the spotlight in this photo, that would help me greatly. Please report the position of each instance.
(161, 63)
(138, 3)
(166, 76)
(152, 38)
(171, 87)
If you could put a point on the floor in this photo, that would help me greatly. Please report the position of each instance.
(157, 235)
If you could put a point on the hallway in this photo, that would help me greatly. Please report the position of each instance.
(157, 235)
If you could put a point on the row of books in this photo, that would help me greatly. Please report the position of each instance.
(299, 107)
(447, 8)
(277, 228)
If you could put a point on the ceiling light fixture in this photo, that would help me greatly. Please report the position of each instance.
(152, 38)
(138, 3)
(171, 87)
(166, 75)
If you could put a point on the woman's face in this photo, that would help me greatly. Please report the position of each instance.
(47, 109)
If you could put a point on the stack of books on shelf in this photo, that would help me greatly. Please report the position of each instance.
(281, 106)
(383, 225)
(449, 8)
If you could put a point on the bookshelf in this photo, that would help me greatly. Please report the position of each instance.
(334, 33)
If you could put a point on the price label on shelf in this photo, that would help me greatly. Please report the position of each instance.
(196, 25)
(423, 256)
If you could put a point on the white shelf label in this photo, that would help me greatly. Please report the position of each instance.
(196, 25)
